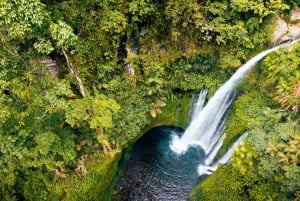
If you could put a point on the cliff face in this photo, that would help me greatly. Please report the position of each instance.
(287, 28)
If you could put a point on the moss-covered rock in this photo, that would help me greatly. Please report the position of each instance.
(97, 184)
(224, 184)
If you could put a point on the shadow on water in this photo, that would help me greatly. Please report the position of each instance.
(155, 173)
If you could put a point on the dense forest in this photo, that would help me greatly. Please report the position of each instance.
(81, 80)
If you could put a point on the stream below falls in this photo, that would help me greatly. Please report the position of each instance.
(156, 173)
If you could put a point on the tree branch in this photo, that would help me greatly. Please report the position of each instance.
(73, 72)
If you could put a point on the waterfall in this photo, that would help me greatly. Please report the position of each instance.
(197, 104)
(206, 124)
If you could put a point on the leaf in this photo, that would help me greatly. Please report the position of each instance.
(153, 112)
(44, 46)
(160, 104)
(63, 34)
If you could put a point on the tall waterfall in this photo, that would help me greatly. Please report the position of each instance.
(207, 122)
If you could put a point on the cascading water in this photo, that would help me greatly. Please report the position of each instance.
(210, 166)
(197, 104)
(207, 123)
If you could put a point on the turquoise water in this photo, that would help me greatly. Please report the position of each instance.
(154, 172)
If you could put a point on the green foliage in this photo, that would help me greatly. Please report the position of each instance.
(231, 21)
(243, 157)
(96, 111)
(44, 46)
(141, 10)
(287, 153)
(22, 18)
(244, 114)
(184, 14)
(113, 22)
(224, 184)
(283, 75)
(51, 138)
(98, 185)
(63, 34)
(292, 4)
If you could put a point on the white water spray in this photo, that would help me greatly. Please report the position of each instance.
(197, 104)
(209, 167)
(207, 123)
